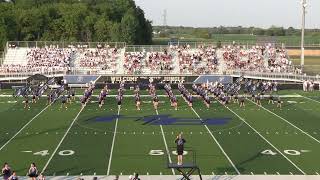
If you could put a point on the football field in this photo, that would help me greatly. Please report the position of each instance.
(113, 141)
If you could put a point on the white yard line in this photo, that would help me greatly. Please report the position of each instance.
(310, 99)
(242, 119)
(178, 95)
(288, 122)
(64, 136)
(225, 154)
(23, 127)
(166, 145)
(113, 141)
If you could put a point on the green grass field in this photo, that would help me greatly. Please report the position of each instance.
(312, 64)
(253, 140)
(241, 38)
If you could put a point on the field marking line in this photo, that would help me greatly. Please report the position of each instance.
(242, 119)
(24, 127)
(178, 95)
(166, 145)
(288, 122)
(62, 139)
(113, 141)
(225, 154)
(310, 99)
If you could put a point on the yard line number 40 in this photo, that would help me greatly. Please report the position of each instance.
(61, 153)
(288, 152)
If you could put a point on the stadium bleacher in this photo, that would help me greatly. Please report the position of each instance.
(183, 59)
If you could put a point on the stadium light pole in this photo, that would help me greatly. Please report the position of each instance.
(304, 6)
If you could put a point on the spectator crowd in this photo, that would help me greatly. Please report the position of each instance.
(204, 59)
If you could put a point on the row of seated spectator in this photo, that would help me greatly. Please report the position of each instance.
(47, 59)
(103, 58)
(278, 60)
(202, 60)
(155, 62)
(133, 62)
(159, 61)
(257, 59)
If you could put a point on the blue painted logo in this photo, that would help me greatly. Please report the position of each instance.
(163, 120)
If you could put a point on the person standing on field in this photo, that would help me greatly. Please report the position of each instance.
(180, 141)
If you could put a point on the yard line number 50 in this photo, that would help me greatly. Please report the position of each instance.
(161, 153)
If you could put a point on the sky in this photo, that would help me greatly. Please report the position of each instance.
(210, 13)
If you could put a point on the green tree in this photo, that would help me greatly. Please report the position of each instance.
(74, 20)
(103, 29)
(129, 27)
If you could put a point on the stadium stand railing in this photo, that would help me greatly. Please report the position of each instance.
(146, 48)
(62, 44)
(276, 76)
(224, 43)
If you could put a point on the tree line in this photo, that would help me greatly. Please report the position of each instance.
(207, 33)
(73, 20)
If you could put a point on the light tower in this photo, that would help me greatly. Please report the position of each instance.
(304, 6)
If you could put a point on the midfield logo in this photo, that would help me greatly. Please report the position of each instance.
(163, 120)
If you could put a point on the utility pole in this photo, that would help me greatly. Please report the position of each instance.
(304, 6)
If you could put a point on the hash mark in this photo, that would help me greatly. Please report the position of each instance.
(251, 173)
(265, 173)
(278, 173)
(291, 173)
